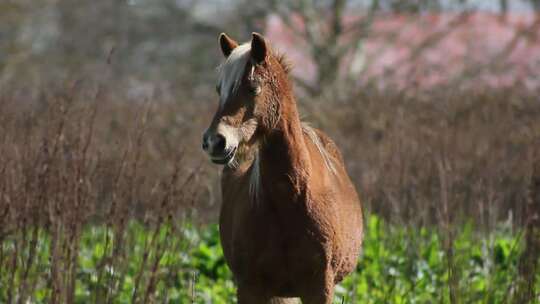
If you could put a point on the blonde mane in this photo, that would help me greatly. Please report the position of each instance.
(231, 71)
(312, 134)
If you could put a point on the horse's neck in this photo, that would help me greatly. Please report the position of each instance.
(284, 154)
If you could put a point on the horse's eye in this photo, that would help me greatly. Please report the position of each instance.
(255, 87)
(256, 90)
(218, 89)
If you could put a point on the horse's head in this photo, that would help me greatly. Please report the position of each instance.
(249, 86)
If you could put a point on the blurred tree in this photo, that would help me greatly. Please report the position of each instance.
(174, 41)
(12, 49)
(535, 4)
(335, 30)
(414, 6)
(503, 4)
(156, 41)
(322, 27)
(152, 39)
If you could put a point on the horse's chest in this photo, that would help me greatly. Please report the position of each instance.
(261, 243)
(266, 252)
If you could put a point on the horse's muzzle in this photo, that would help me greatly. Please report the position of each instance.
(225, 159)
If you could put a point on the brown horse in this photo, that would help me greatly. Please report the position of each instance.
(291, 221)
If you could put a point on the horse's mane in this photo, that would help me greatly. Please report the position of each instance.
(283, 61)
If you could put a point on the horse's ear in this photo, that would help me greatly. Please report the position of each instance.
(258, 48)
(227, 44)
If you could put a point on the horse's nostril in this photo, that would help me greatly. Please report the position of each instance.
(205, 141)
(220, 143)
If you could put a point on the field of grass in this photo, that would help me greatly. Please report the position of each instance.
(184, 264)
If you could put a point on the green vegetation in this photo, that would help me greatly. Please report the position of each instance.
(398, 265)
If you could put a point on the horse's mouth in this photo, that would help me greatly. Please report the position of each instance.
(225, 160)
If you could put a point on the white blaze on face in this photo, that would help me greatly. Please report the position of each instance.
(231, 72)
(230, 134)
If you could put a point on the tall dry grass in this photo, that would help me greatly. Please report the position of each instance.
(77, 156)
(444, 159)
(529, 259)
(69, 160)
(405, 151)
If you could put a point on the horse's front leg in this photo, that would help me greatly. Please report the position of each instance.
(322, 291)
(250, 295)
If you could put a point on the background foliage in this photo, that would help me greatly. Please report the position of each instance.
(105, 196)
